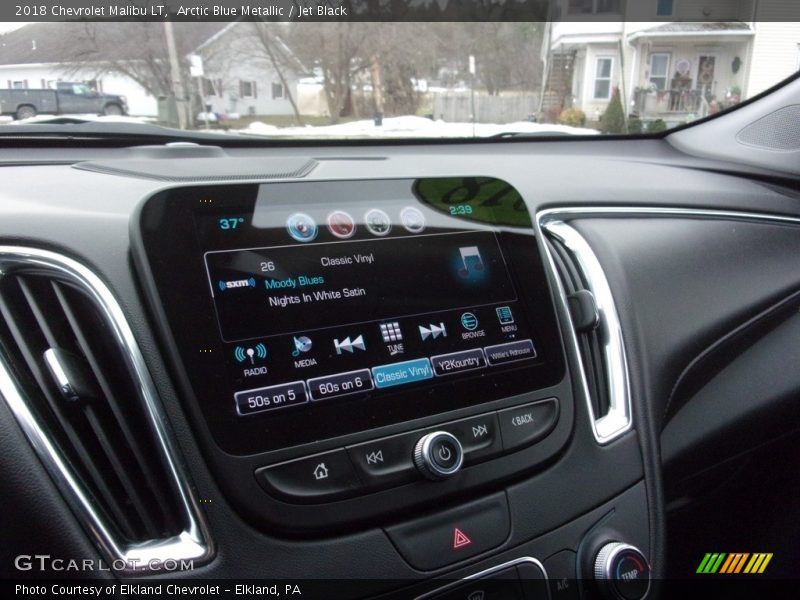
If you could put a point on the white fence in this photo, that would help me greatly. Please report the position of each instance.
(456, 107)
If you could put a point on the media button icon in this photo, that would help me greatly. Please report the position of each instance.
(377, 222)
(341, 224)
(301, 344)
(301, 227)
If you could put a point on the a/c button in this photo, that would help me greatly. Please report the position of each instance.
(523, 425)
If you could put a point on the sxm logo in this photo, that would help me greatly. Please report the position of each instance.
(737, 562)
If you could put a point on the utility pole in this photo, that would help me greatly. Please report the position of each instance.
(472, 72)
(178, 91)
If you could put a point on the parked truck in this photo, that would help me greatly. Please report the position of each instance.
(67, 98)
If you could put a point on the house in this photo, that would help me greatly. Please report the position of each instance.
(676, 66)
(131, 59)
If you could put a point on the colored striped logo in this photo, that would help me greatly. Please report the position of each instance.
(736, 562)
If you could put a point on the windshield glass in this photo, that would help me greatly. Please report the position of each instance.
(342, 79)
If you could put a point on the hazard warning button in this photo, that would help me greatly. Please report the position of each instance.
(454, 535)
(460, 539)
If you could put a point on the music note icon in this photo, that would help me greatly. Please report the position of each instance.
(471, 259)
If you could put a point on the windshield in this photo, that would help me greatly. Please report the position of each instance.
(341, 79)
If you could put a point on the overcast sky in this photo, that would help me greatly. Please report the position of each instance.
(10, 26)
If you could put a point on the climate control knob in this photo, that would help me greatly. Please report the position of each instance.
(622, 572)
(438, 455)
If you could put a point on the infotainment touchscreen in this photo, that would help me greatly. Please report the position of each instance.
(304, 311)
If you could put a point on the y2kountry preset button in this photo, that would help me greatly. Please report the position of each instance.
(341, 384)
(458, 362)
(270, 398)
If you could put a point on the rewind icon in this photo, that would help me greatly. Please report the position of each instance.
(347, 346)
(432, 331)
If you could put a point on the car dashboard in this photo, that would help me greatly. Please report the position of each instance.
(424, 368)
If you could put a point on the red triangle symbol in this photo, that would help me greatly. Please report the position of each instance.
(460, 539)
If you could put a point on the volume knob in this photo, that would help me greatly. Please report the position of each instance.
(438, 455)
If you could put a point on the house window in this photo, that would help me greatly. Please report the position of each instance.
(247, 89)
(208, 87)
(665, 8)
(659, 70)
(277, 91)
(18, 85)
(593, 7)
(602, 78)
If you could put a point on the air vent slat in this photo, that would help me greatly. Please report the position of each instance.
(151, 529)
(78, 451)
(33, 304)
(142, 463)
(75, 380)
(589, 343)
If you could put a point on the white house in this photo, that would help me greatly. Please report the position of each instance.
(118, 58)
(686, 59)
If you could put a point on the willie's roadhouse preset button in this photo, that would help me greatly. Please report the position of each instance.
(513, 351)
(341, 384)
(273, 397)
(458, 362)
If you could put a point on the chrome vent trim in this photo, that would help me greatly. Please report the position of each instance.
(193, 543)
(618, 419)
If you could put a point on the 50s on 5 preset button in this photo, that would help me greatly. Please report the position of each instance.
(272, 397)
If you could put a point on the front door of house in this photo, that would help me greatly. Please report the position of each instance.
(706, 66)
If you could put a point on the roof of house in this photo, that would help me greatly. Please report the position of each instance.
(67, 42)
(699, 27)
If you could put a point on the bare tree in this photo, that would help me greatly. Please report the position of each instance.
(336, 50)
(280, 58)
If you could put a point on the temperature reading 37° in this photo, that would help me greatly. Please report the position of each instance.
(228, 223)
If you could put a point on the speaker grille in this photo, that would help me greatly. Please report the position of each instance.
(777, 131)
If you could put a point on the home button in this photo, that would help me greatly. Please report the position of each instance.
(326, 476)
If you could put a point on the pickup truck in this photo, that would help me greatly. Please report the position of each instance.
(66, 98)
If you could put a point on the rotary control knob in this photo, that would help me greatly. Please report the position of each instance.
(438, 455)
(622, 572)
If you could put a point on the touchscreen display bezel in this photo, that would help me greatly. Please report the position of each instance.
(175, 247)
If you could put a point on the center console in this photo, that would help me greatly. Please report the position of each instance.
(369, 346)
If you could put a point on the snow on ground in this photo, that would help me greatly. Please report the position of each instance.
(84, 118)
(411, 126)
(393, 127)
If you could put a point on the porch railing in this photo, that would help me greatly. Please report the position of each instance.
(650, 103)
